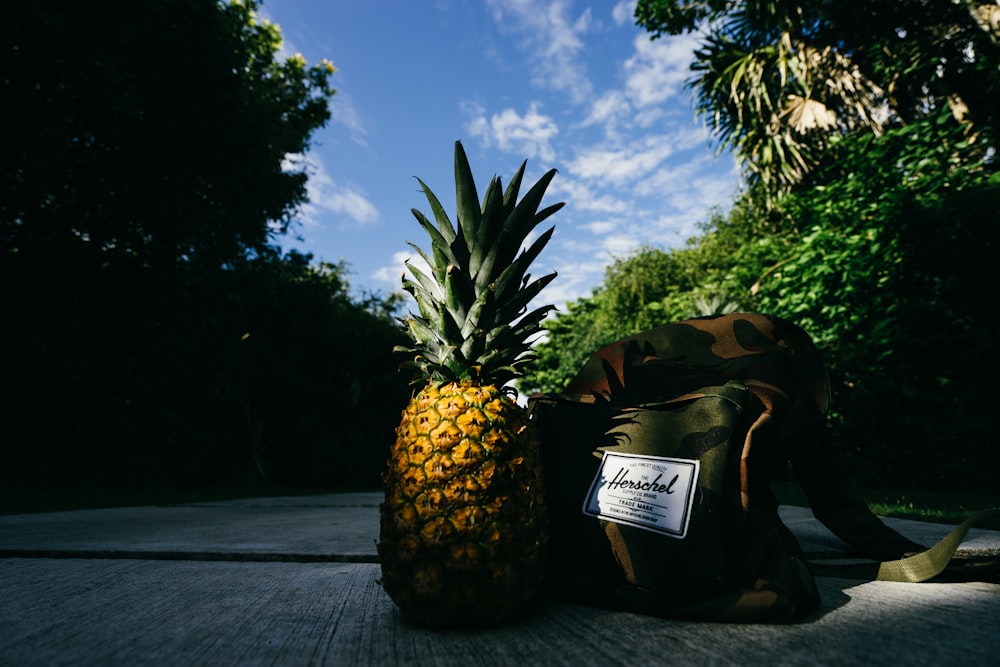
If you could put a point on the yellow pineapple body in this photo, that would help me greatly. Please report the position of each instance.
(463, 526)
(464, 520)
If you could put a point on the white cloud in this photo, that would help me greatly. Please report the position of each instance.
(610, 111)
(553, 40)
(608, 108)
(345, 201)
(580, 196)
(601, 226)
(681, 177)
(529, 135)
(583, 22)
(623, 164)
(624, 12)
(658, 69)
(344, 112)
(602, 204)
(652, 77)
(620, 245)
(393, 273)
(329, 197)
(674, 228)
(703, 193)
(628, 171)
(574, 280)
(649, 117)
(685, 194)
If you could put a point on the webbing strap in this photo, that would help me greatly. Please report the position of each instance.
(919, 567)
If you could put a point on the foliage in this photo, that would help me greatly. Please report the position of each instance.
(653, 286)
(157, 139)
(152, 332)
(890, 274)
(649, 288)
(244, 378)
(885, 256)
(779, 81)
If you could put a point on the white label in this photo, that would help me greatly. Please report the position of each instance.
(649, 492)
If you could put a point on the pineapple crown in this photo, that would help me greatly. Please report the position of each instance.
(474, 323)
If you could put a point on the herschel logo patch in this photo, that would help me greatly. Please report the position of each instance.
(649, 492)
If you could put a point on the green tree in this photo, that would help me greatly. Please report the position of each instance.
(875, 233)
(157, 137)
(882, 256)
(891, 271)
(778, 81)
(153, 331)
(653, 286)
(317, 390)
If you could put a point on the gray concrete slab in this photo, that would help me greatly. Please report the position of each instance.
(295, 527)
(134, 612)
(138, 605)
(815, 538)
(322, 525)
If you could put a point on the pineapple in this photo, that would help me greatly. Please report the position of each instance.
(463, 529)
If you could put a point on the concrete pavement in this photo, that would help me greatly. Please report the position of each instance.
(293, 581)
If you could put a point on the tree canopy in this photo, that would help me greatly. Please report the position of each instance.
(779, 80)
(884, 255)
(868, 135)
(157, 137)
(154, 332)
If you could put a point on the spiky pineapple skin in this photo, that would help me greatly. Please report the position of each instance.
(464, 522)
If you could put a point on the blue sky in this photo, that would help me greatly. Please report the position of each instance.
(565, 84)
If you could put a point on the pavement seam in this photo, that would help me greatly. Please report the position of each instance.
(217, 556)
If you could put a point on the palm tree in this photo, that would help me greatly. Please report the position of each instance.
(778, 81)
(775, 98)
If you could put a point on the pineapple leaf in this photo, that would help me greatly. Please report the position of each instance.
(466, 197)
(515, 272)
(547, 211)
(520, 300)
(443, 255)
(490, 225)
(474, 298)
(444, 236)
(449, 329)
(510, 195)
(444, 222)
(429, 286)
(474, 348)
(477, 314)
(515, 340)
(523, 219)
(460, 293)
(426, 303)
(528, 325)
(420, 251)
(499, 262)
(423, 335)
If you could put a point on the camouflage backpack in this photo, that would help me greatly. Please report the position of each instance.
(658, 458)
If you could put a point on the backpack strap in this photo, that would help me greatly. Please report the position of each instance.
(928, 564)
